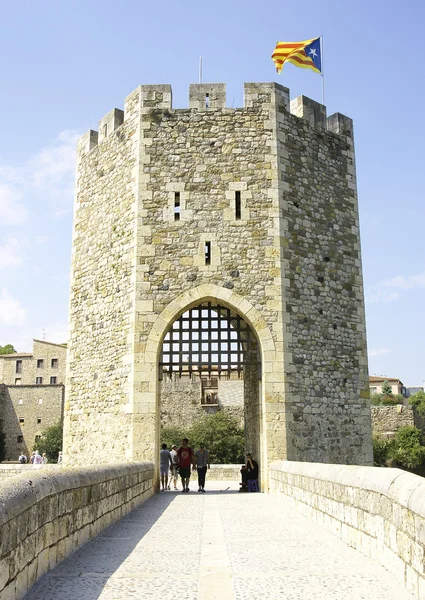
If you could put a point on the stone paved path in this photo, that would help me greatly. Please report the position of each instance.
(217, 545)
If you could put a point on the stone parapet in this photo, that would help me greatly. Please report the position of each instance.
(12, 470)
(47, 514)
(224, 473)
(379, 512)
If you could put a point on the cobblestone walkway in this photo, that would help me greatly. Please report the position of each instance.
(217, 545)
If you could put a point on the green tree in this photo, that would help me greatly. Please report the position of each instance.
(51, 442)
(381, 450)
(173, 435)
(222, 435)
(418, 400)
(408, 451)
(386, 390)
(8, 349)
(375, 399)
(404, 450)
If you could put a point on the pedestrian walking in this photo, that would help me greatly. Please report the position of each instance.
(60, 456)
(202, 462)
(164, 464)
(175, 468)
(44, 458)
(38, 460)
(186, 460)
(22, 459)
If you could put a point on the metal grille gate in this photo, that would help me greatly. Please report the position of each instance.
(208, 338)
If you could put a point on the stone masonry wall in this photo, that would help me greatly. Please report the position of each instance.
(102, 302)
(387, 419)
(290, 265)
(48, 514)
(40, 407)
(42, 350)
(379, 512)
(326, 381)
(181, 401)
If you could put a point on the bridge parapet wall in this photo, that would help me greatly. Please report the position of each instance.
(46, 515)
(379, 512)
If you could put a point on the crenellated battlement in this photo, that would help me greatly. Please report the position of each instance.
(211, 97)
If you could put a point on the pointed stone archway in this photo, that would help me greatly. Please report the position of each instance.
(146, 420)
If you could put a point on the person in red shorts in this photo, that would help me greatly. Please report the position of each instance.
(185, 457)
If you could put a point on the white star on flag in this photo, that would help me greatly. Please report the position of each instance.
(313, 52)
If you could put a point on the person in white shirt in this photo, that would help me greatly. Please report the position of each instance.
(175, 466)
(37, 458)
(164, 464)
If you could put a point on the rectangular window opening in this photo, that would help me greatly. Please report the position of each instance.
(17, 381)
(177, 206)
(207, 100)
(238, 206)
(207, 253)
(20, 439)
(19, 366)
(105, 130)
(38, 420)
(37, 439)
(52, 380)
(21, 420)
(40, 363)
(38, 380)
(54, 363)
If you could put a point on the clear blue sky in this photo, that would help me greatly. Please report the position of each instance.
(66, 63)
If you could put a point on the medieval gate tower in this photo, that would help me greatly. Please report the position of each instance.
(218, 239)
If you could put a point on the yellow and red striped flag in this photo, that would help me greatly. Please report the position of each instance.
(306, 55)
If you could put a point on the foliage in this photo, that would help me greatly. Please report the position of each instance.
(389, 400)
(418, 400)
(2, 442)
(404, 450)
(381, 450)
(386, 389)
(375, 399)
(222, 436)
(173, 435)
(408, 451)
(51, 442)
(221, 433)
(8, 349)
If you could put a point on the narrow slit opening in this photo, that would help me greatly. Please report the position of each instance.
(207, 253)
(207, 100)
(105, 130)
(177, 206)
(238, 206)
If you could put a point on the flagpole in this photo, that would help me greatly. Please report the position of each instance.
(322, 73)
(200, 69)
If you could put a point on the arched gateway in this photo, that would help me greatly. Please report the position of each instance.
(211, 329)
(250, 213)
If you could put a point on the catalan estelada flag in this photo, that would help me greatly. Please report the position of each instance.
(306, 55)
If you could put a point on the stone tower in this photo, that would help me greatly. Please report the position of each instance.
(253, 209)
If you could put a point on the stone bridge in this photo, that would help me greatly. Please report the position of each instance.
(322, 531)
